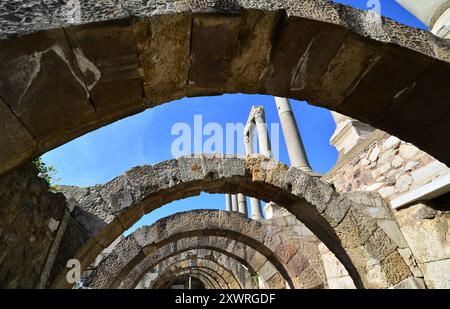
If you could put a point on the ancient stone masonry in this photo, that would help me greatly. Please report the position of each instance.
(342, 222)
(289, 262)
(57, 81)
(379, 219)
(320, 257)
(31, 221)
(251, 259)
(232, 271)
(410, 181)
(370, 253)
(386, 165)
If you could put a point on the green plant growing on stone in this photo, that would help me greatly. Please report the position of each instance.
(254, 277)
(47, 172)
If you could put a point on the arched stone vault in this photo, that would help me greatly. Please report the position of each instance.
(203, 276)
(60, 82)
(267, 264)
(197, 274)
(272, 242)
(247, 256)
(216, 271)
(216, 280)
(206, 283)
(229, 268)
(342, 222)
(210, 279)
(207, 274)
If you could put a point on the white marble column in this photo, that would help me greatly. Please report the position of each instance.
(255, 204)
(294, 144)
(228, 202)
(256, 209)
(234, 203)
(435, 14)
(263, 134)
(257, 119)
(242, 204)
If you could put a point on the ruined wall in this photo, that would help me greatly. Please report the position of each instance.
(386, 165)
(30, 218)
(330, 268)
(395, 169)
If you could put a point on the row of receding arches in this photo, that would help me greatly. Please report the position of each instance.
(343, 222)
(269, 253)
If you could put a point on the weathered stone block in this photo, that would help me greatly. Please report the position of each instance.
(48, 108)
(403, 68)
(310, 279)
(403, 183)
(212, 166)
(144, 180)
(19, 142)
(395, 268)
(276, 282)
(235, 166)
(436, 275)
(190, 168)
(267, 271)
(254, 44)
(164, 47)
(336, 209)
(318, 193)
(297, 181)
(167, 174)
(391, 142)
(410, 283)
(288, 52)
(411, 262)
(214, 40)
(379, 245)
(392, 230)
(314, 62)
(356, 227)
(111, 74)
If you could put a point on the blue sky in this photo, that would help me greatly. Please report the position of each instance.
(146, 138)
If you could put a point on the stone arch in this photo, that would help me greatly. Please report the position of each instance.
(193, 274)
(342, 222)
(219, 272)
(196, 276)
(274, 243)
(339, 60)
(227, 268)
(216, 282)
(200, 273)
(174, 271)
(252, 259)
